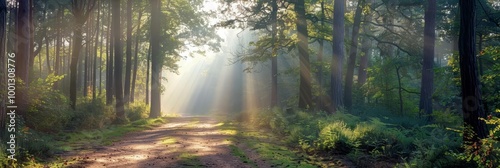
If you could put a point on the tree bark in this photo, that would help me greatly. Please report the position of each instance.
(94, 69)
(338, 55)
(352, 57)
(472, 105)
(156, 59)
(128, 64)
(120, 111)
(427, 82)
(24, 44)
(109, 62)
(136, 56)
(305, 96)
(148, 71)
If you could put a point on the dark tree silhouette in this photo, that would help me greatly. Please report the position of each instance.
(156, 59)
(472, 105)
(117, 45)
(24, 44)
(338, 55)
(352, 56)
(81, 10)
(128, 64)
(426, 90)
(3, 63)
(274, 59)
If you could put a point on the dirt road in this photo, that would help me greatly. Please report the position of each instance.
(182, 142)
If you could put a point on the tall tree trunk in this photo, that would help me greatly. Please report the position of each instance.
(472, 105)
(428, 63)
(81, 10)
(148, 61)
(3, 63)
(352, 57)
(321, 100)
(109, 62)
(128, 65)
(156, 58)
(305, 96)
(274, 59)
(338, 55)
(94, 69)
(57, 65)
(120, 111)
(24, 43)
(136, 55)
(86, 60)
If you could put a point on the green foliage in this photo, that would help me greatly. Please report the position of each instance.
(486, 153)
(369, 138)
(48, 109)
(91, 114)
(137, 110)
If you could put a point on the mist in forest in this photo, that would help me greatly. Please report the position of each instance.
(216, 82)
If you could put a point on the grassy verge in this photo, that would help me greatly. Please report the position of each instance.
(189, 160)
(81, 140)
(268, 147)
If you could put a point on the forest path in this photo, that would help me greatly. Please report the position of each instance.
(181, 142)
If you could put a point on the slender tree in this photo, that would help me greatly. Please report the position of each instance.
(352, 56)
(472, 104)
(94, 69)
(117, 45)
(136, 56)
(128, 65)
(156, 59)
(338, 55)
(109, 62)
(81, 10)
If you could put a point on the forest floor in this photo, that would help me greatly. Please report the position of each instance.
(196, 142)
(182, 142)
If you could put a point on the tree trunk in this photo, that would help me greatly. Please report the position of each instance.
(338, 55)
(156, 58)
(120, 111)
(24, 43)
(352, 57)
(428, 63)
(472, 105)
(77, 43)
(94, 69)
(305, 96)
(136, 56)
(128, 65)
(57, 65)
(109, 62)
(321, 100)
(274, 59)
(148, 60)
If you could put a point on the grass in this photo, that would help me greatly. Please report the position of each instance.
(106, 136)
(236, 151)
(189, 160)
(168, 141)
(276, 154)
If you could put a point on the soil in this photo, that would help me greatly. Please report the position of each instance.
(181, 142)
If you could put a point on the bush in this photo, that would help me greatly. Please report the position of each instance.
(136, 111)
(48, 109)
(91, 114)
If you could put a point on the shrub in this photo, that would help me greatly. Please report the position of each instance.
(91, 114)
(48, 109)
(136, 111)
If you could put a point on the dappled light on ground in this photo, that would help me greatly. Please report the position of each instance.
(182, 142)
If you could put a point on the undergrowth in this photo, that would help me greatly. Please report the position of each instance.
(369, 140)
